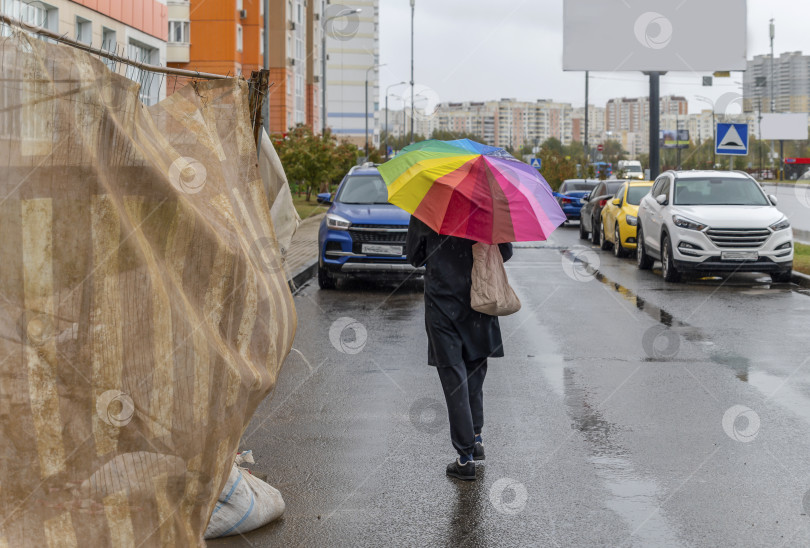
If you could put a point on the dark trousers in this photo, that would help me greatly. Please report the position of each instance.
(463, 386)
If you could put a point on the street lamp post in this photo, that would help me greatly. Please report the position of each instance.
(387, 131)
(413, 8)
(343, 13)
(369, 69)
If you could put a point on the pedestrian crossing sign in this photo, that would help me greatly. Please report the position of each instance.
(732, 139)
(536, 163)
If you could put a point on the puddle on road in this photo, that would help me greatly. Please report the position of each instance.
(633, 497)
(741, 366)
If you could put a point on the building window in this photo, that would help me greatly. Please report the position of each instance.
(238, 37)
(108, 43)
(239, 5)
(179, 32)
(84, 30)
(150, 86)
(34, 13)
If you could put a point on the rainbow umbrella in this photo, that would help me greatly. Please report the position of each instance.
(474, 191)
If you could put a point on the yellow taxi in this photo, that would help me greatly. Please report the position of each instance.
(620, 218)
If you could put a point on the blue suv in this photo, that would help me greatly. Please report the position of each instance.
(362, 234)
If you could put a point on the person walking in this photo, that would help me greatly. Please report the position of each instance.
(460, 340)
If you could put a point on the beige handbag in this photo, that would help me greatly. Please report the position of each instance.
(491, 293)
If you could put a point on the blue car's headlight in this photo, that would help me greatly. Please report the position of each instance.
(336, 222)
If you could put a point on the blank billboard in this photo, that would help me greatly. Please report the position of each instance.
(654, 35)
(784, 127)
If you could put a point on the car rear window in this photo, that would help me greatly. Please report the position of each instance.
(636, 193)
(578, 187)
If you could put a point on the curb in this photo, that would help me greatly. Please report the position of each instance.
(800, 279)
(305, 274)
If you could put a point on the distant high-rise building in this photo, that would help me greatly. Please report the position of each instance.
(353, 49)
(633, 114)
(791, 85)
(507, 123)
(596, 124)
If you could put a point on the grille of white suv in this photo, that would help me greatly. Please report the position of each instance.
(738, 237)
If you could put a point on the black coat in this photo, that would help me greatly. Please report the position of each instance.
(455, 331)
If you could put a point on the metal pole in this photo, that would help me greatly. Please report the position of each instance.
(781, 160)
(386, 124)
(773, 96)
(587, 150)
(413, 7)
(266, 61)
(655, 124)
(366, 115)
(323, 80)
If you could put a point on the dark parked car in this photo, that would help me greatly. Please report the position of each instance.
(570, 196)
(362, 233)
(590, 214)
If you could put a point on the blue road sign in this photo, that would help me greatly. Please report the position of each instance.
(732, 139)
(536, 163)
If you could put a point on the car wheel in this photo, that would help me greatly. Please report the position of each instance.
(595, 232)
(782, 277)
(643, 261)
(618, 250)
(603, 243)
(671, 273)
(325, 280)
(582, 234)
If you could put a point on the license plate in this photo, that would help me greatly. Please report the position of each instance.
(739, 256)
(372, 249)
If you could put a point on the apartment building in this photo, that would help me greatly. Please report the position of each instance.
(222, 37)
(791, 83)
(137, 29)
(596, 124)
(633, 114)
(506, 123)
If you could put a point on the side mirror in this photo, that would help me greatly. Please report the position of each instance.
(324, 198)
(773, 199)
(617, 202)
(661, 199)
(586, 197)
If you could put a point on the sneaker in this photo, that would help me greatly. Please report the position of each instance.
(478, 451)
(462, 471)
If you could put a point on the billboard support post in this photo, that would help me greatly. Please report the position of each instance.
(781, 159)
(587, 151)
(655, 124)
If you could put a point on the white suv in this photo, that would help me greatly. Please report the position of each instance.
(713, 221)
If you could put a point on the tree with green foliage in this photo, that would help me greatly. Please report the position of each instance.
(314, 161)
(552, 144)
(556, 167)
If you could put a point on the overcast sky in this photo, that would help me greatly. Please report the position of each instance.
(487, 50)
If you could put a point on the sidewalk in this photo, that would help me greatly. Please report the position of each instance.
(301, 261)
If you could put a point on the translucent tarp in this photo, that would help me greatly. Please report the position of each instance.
(145, 312)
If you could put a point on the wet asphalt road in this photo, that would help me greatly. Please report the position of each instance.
(628, 412)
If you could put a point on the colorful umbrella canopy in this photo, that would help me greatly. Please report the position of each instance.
(474, 191)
